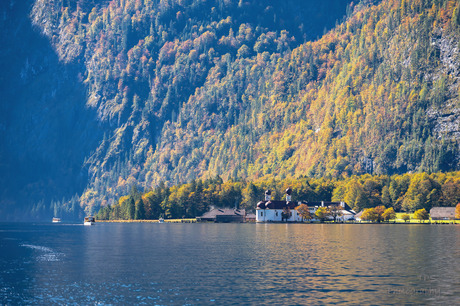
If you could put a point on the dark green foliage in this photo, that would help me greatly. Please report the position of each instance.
(128, 209)
(139, 213)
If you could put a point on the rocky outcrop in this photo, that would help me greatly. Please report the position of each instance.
(46, 130)
(445, 117)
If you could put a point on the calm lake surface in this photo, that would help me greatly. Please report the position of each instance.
(221, 264)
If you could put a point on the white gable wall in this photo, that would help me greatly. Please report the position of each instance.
(275, 215)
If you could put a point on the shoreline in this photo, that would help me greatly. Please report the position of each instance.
(438, 222)
(191, 220)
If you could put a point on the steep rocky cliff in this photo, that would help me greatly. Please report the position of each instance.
(46, 129)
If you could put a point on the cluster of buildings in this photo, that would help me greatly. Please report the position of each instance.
(285, 211)
(276, 211)
(279, 211)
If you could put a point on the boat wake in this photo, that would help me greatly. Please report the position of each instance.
(44, 253)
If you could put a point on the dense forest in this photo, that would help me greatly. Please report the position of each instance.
(190, 90)
(378, 94)
(407, 192)
(53, 137)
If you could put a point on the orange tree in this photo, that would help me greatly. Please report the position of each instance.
(304, 212)
(379, 211)
(335, 211)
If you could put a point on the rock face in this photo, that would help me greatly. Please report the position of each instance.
(46, 131)
(446, 122)
(446, 119)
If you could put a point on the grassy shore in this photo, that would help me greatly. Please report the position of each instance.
(191, 220)
(398, 220)
(413, 220)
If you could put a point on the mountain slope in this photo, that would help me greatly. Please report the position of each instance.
(46, 131)
(144, 60)
(377, 94)
(199, 88)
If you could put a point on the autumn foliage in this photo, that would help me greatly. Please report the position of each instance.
(368, 193)
(191, 90)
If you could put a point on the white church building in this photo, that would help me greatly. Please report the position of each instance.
(272, 211)
(279, 211)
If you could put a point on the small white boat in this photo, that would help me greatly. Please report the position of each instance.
(161, 220)
(89, 220)
(56, 220)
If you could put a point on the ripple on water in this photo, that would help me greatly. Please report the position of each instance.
(125, 264)
(44, 253)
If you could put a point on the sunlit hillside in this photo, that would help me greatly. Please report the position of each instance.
(172, 91)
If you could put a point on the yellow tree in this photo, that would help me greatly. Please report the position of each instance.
(369, 214)
(321, 213)
(389, 214)
(421, 214)
(405, 217)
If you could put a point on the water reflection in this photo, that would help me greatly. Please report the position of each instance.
(358, 263)
(235, 264)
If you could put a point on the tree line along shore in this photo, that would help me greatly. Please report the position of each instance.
(406, 193)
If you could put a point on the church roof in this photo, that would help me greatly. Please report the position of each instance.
(442, 212)
(272, 204)
(223, 212)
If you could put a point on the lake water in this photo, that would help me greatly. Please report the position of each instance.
(221, 264)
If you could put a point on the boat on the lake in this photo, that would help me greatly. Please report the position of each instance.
(56, 220)
(161, 220)
(90, 220)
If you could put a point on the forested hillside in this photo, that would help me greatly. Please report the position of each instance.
(145, 59)
(187, 89)
(377, 94)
